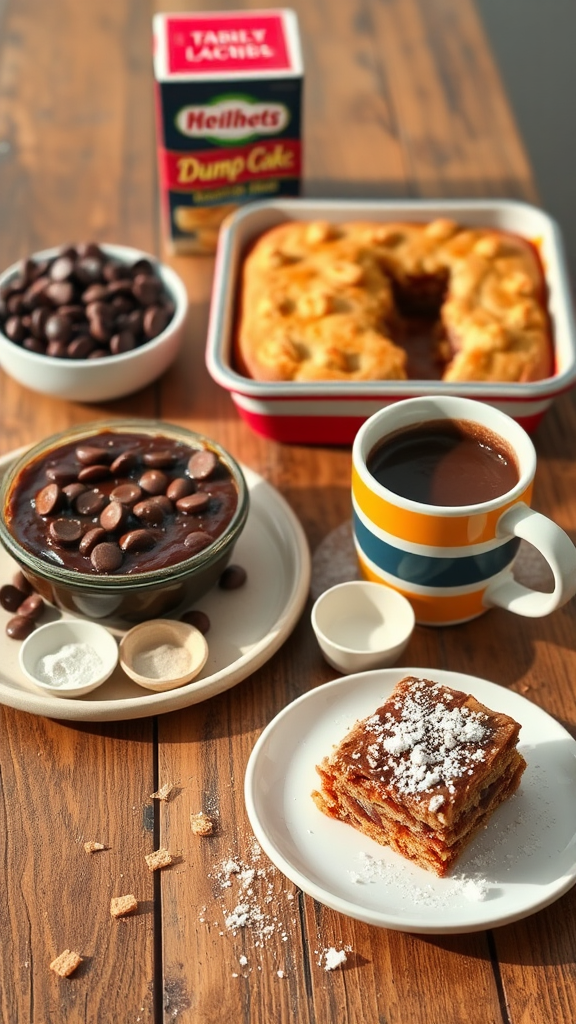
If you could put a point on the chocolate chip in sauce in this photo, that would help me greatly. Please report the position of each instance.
(191, 504)
(90, 539)
(65, 531)
(106, 557)
(91, 503)
(202, 464)
(137, 540)
(148, 512)
(179, 488)
(113, 516)
(126, 494)
(49, 500)
(196, 541)
(91, 474)
(153, 481)
(198, 619)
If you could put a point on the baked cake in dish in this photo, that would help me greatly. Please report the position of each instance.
(423, 773)
(321, 301)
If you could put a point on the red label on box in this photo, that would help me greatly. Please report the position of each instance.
(213, 44)
(214, 168)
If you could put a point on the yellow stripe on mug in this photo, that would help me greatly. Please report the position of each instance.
(433, 480)
(427, 526)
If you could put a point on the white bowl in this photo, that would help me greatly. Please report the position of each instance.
(99, 380)
(98, 647)
(362, 625)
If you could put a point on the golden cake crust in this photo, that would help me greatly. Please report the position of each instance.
(321, 301)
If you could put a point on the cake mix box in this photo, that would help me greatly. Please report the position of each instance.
(229, 97)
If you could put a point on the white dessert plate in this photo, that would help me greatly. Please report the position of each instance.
(523, 861)
(247, 626)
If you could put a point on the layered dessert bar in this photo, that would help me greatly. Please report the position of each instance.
(423, 773)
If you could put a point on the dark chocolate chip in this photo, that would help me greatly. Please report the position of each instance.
(234, 576)
(11, 597)
(113, 516)
(19, 627)
(106, 557)
(91, 503)
(196, 541)
(127, 494)
(153, 481)
(197, 619)
(148, 512)
(191, 504)
(90, 539)
(179, 488)
(49, 500)
(65, 532)
(32, 607)
(137, 540)
(92, 474)
(202, 464)
(158, 459)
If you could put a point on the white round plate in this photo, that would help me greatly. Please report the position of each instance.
(523, 861)
(247, 626)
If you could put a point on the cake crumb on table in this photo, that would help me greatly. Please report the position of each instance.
(164, 792)
(92, 846)
(122, 905)
(66, 963)
(159, 859)
(201, 824)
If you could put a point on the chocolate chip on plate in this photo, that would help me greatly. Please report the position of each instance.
(32, 607)
(19, 627)
(197, 618)
(137, 540)
(49, 500)
(233, 577)
(11, 597)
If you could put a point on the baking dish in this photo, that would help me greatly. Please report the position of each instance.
(331, 412)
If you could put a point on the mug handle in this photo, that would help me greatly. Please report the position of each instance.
(558, 550)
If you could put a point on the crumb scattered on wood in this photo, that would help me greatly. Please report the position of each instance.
(93, 846)
(66, 963)
(201, 824)
(122, 905)
(159, 859)
(164, 792)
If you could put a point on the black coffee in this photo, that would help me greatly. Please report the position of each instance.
(445, 462)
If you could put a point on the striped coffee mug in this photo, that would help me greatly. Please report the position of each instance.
(453, 561)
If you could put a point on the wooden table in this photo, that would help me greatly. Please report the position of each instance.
(402, 98)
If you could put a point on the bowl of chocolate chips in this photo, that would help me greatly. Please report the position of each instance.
(90, 322)
(123, 519)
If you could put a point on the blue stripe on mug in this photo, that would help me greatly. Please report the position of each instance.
(429, 570)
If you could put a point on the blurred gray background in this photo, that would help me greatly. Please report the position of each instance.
(534, 45)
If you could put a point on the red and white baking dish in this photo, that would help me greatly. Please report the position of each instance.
(331, 412)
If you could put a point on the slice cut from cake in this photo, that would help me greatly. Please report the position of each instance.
(423, 773)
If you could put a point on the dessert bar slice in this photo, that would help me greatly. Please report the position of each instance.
(423, 773)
